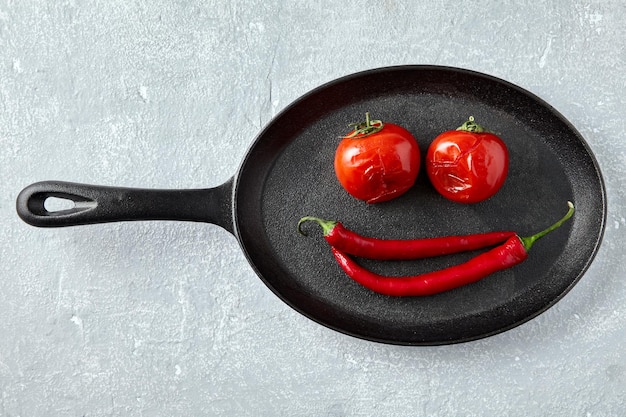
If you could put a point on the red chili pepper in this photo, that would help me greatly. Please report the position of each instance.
(510, 253)
(352, 243)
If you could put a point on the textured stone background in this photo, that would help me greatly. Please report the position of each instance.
(168, 319)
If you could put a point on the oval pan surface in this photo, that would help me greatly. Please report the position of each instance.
(288, 173)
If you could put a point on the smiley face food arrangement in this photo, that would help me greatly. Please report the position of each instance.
(378, 161)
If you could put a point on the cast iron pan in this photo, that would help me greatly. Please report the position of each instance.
(288, 173)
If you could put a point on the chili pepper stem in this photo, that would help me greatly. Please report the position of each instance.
(327, 225)
(530, 240)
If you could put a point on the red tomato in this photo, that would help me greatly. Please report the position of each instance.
(377, 164)
(467, 165)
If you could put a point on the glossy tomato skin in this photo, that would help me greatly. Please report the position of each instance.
(467, 167)
(379, 166)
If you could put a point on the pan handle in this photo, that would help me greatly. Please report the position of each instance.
(92, 204)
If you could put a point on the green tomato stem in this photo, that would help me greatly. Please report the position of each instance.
(530, 240)
(365, 128)
(471, 126)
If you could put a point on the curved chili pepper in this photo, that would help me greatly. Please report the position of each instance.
(512, 252)
(352, 243)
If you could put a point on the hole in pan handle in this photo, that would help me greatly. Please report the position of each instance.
(91, 204)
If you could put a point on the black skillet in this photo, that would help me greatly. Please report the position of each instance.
(288, 173)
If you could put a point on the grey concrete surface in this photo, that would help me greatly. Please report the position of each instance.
(168, 319)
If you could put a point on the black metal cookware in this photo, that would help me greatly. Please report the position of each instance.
(287, 173)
